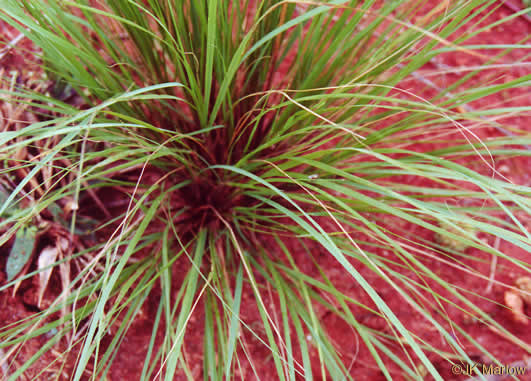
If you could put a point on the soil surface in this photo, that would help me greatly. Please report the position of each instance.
(437, 75)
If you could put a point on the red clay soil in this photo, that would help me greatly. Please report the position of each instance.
(129, 361)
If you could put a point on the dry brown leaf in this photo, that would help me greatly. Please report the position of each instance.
(47, 257)
(70, 206)
(524, 284)
(514, 301)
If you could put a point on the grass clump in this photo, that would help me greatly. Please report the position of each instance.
(218, 145)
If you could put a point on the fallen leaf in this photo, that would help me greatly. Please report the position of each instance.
(524, 284)
(70, 206)
(20, 252)
(514, 301)
(47, 258)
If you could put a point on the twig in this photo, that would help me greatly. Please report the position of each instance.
(493, 264)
